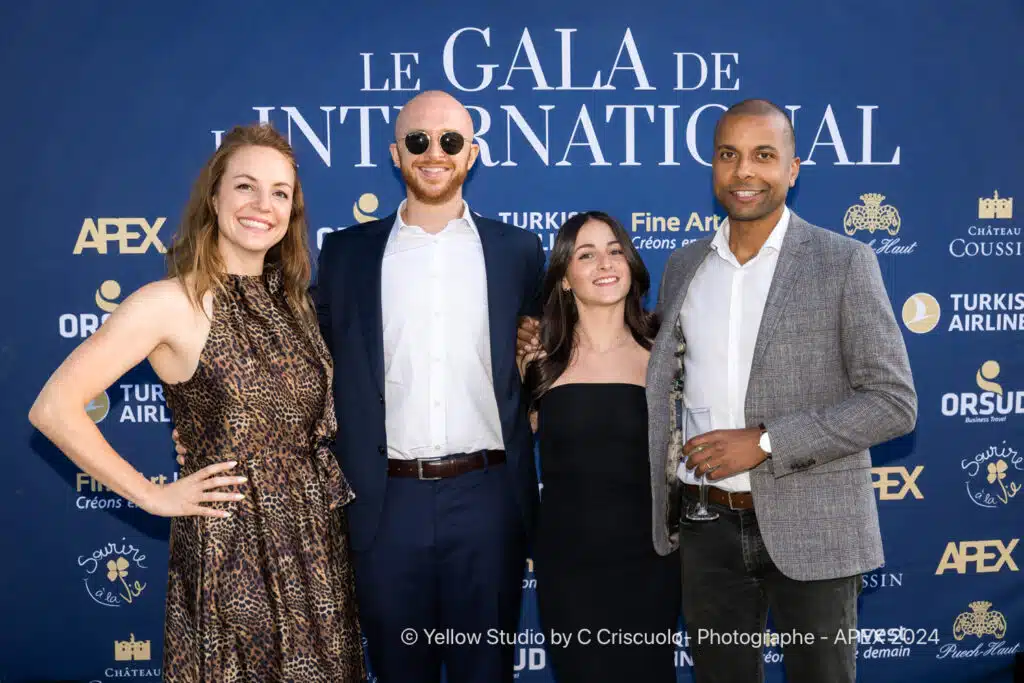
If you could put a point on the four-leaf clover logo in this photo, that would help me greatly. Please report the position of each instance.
(117, 569)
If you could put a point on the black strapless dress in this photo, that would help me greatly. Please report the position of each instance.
(594, 560)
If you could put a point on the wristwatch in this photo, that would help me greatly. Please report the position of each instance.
(765, 443)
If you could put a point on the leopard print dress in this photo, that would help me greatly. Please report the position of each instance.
(266, 594)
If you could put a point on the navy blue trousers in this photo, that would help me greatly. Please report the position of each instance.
(446, 564)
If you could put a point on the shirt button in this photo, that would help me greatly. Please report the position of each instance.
(437, 448)
(437, 404)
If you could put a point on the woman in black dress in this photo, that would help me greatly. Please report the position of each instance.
(600, 584)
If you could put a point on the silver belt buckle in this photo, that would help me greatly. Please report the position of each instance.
(419, 472)
(734, 509)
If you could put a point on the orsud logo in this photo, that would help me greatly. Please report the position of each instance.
(364, 207)
(362, 211)
(81, 325)
(992, 404)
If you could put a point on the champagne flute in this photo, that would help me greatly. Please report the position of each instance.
(698, 421)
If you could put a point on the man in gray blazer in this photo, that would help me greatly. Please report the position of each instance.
(784, 331)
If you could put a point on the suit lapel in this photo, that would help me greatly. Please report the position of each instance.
(667, 335)
(370, 303)
(491, 240)
(787, 273)
(690, 266)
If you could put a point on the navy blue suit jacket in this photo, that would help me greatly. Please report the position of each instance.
(347, 295)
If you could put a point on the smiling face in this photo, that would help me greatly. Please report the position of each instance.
(598, 273)
(434, 176)
(753, 166)
(253, 202)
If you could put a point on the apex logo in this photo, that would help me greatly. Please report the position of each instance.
(97, 234)
(894, 483)
(986, 556)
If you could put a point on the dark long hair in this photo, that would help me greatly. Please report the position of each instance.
(559, 318)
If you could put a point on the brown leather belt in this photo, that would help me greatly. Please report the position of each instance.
(444, 467)
(734, 501)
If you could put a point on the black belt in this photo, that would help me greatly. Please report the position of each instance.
(443, 468)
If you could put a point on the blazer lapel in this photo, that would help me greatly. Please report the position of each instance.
(787, 273)
(667, 336)
(491, 240)
(690, 266)
(370, 304)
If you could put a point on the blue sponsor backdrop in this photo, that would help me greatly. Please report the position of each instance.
(907, 119)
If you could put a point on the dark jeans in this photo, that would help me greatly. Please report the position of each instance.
(730, 583)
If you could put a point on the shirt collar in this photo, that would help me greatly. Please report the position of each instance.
(400, 226)
(720, 242)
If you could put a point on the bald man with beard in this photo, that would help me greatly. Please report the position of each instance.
(420, 310)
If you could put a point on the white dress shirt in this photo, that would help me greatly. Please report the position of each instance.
(721, 316)
(439, 390)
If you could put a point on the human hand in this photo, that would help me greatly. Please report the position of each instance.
(178, 448)
(528, 337)
(722, 453)
(183, 497)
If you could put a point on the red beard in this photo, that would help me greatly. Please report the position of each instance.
(434, 194)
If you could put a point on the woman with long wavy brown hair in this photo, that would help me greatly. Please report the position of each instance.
(598, 576)
(260, 586)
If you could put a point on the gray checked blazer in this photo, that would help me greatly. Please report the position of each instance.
(830, 378)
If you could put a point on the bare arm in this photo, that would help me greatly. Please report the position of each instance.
(147, 324)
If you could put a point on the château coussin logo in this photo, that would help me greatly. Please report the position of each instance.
(995, 206)
(132, 650)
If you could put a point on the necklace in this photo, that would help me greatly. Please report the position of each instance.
(615, 347)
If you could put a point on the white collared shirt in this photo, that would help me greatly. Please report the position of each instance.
(721, 316)
(439, 390)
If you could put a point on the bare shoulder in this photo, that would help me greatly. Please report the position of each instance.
(183, 326)
(167, 294)
(165, 305)
(641, 358)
